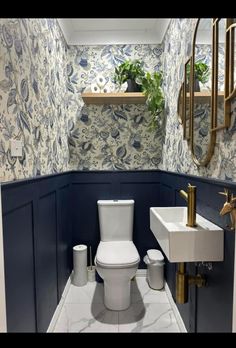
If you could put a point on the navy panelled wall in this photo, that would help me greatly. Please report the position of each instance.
(37, 249)
(209, 309)
(43, 218)
(19, 269)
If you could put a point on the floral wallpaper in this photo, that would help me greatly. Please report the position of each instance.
(177, 46)
(41, 80)
(33, 98)
(110, 136)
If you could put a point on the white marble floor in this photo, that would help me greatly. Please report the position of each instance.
(83, 311)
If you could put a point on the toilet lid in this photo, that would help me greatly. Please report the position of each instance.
(117, 254)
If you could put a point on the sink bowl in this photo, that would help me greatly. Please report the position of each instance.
(182, 243)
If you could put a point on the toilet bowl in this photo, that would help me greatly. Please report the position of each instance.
(117, 263)
(116, 258)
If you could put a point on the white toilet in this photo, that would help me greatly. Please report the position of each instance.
(117, 258)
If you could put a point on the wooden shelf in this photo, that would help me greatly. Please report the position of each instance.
(202, 97)
(114, 98)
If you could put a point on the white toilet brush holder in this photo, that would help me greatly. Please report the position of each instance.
(91, 269)
(91, 274)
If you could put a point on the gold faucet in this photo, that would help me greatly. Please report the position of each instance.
(229, 207)
(190, 197)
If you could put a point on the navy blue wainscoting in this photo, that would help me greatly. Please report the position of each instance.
(209, 309)
(44, 217)
(89, 187)
(37, 249)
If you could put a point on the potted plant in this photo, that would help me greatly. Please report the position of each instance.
(201, 74)
(149, 84)
(130, 72)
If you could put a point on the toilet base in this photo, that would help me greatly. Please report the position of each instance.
(117, 283)
(117, 295)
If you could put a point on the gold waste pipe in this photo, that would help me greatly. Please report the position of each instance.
(183, 280)
(181, 284)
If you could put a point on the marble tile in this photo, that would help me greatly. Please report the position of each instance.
(91, 292)
(141, 292)
(85, 317)
(84, 311)
(155, 317)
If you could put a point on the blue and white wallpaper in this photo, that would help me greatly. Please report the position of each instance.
(177, 48)
(33, 98)
(41, 80)
(110, 136)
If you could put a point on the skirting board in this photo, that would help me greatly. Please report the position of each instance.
(59, 307)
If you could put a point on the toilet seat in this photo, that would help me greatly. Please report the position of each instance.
(117, 254)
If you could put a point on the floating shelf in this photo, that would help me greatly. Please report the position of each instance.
(114, 98)
(202, 97)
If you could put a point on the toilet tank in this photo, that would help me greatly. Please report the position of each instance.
(116, 219)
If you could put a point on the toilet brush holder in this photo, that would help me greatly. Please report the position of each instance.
(91, 274)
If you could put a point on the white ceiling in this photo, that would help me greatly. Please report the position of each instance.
(103, 31)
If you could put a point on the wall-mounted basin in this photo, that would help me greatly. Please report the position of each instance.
(181, 243)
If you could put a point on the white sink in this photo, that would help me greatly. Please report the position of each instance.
(182, 243)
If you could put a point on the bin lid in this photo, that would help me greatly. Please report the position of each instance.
(155, 255)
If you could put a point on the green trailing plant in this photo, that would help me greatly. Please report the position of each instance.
(150, 86)
(201, 71)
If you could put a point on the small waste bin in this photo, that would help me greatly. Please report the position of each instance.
(155, 268)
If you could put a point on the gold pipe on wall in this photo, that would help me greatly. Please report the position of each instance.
(183, 280)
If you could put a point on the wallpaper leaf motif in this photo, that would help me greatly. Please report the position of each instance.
(177, 48)
(41, 81)
(32, 54)
(113, 134)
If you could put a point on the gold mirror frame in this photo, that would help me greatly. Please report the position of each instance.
(230, 90)
(212, 140)
(180, 109)
(187, 102)
(216, 94)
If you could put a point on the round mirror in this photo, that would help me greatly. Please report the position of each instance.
(203, 139)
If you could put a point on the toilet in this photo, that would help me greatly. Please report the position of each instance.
(117, 258)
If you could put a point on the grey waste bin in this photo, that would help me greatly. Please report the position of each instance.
(155, 269)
